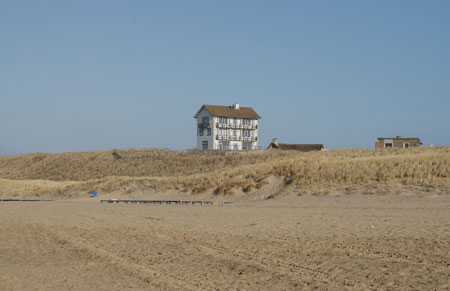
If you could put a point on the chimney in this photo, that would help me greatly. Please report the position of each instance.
(275, 141)
(235, 106)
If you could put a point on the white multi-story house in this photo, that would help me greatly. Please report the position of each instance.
(227, 128)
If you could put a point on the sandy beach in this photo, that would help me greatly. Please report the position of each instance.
(333, 242)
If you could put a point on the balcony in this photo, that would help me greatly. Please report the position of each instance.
(237, 126)
(223, 137)
(249, 126)
(236, 138)
(204, 124)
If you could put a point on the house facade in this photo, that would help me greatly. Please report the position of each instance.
(227, 128)
(397, 142)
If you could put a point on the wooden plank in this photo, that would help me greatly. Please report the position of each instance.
(159, 202)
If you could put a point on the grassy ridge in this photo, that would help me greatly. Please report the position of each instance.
(83, 166)
(348, 170)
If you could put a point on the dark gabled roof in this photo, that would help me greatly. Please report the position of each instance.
(229, 111)
(297, 147)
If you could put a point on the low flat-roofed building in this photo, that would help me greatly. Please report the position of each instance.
(397, 142)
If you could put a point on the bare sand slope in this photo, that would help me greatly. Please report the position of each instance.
(356, 242)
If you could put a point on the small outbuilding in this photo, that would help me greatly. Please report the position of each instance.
(397, 142)
(296, 147)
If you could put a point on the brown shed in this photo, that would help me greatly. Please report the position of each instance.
(296, 147)
(397, 142)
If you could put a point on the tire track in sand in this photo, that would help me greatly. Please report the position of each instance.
(283, 269)
(392, 256)
(145, 274)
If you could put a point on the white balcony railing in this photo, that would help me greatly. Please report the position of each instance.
(237, 138)
(238, 126)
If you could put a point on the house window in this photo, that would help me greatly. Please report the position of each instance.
(247, 146)
(235, 146)
(388, 143)
(235, 121)
(225, 145)
(234, 133)
(246, 133)
(223, 120)
(200, 131)
(246, 121)
(406, 145)
(209, 131)
(223, 133)
(205, 119)
(204, 145)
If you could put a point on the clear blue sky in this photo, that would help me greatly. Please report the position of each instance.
(88, 75)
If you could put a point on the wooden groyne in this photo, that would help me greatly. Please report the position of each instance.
(22, 200)
(160, 202)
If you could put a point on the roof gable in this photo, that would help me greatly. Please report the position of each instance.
(228, 111)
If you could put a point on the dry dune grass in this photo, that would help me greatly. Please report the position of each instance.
(347, 170)
(83, 166)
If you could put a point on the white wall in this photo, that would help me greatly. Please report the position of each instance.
(210, 139)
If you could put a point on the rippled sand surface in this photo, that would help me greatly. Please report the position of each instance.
(348, 242)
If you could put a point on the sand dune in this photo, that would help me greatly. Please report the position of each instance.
(386, 171)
